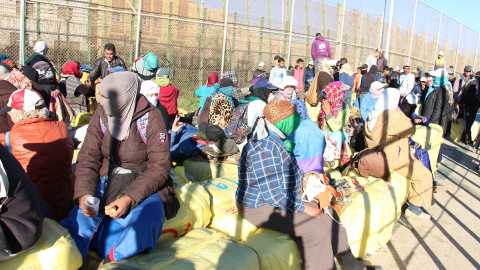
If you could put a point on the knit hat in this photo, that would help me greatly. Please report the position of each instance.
(150, 62)
(30, 73)
(142, 72)
(116, 69)
(278, 110)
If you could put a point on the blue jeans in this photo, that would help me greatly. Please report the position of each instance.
(119, 238)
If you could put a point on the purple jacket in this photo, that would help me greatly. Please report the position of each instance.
(321, 48)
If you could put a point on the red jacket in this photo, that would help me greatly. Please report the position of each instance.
(168, 97)
(45, 151)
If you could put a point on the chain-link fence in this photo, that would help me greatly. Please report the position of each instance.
(193, 38)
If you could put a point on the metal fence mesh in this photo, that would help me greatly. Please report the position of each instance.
(187, 35)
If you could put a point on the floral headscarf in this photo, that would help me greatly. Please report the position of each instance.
(19, 80)
(335, 98)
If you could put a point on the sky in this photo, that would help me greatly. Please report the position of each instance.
(464, 11)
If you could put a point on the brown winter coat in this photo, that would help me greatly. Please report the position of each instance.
(390, 135)
(133, 152)
(6, 89)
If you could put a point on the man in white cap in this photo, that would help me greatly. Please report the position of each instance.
(407, 81)
(261, 66)
(440, 61)
(462, 80)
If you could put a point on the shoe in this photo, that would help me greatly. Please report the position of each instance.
(422, 215)
(439, 188)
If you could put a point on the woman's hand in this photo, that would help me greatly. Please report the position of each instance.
(87, 210)
(312, 211)
(175, 126)
(120, 206)
(326, 107)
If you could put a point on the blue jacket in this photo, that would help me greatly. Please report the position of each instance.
(309, 146)
(367, 105)
(181, 146)
(309, 74)
(203, 92)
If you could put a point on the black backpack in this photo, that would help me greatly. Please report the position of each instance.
(469, 94)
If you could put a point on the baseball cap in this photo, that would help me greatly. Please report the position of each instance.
(406, 64)
(264, 83)
(378, 85)
(163, 72)
(477, 74)
(468, 68)
(23, 99)
(423, 79)
(437, 73)
(364, 66)
(289, 81)
(261, 64)
(311, 63)
(440, 53)
(116, 69)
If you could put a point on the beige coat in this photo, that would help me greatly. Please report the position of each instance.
(390, 135)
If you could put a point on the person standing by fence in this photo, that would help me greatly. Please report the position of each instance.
(320, 49)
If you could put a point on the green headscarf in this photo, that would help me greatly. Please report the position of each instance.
(288, 126)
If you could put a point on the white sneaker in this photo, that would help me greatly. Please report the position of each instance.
(423, 215)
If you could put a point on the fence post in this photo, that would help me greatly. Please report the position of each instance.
(89, 33)
(169, 38)
(323, 17)
(291, 30)
(21, 57)
(438, 37)
(234, 39)
(132, 26)
(262, 25)
(341, 31)
(67, 36)
(308, 28)
(458, 47)
(139, 28)
(413, 31)
(202, 46)
(389, 32)
(358, 39)
(224, 36)
(476, 50)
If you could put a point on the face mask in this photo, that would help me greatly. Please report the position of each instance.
(153, 100)
(289, 90)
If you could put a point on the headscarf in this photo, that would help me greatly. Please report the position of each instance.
(72, 68)
(212, 79)
(40, 47)
(150, 87)
(121, 88)
(162, 77)
(335, 98)
(300, 108)
(320, 80)
(221, 106)
(9, 62)
(387, 101)
(282, 115)
(254, 110)
(261, 93)
(226, 91)
(438, 82)
(346, 68)
(19, 80)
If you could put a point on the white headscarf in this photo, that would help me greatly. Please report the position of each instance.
(121, 90)
(40, 47)
(150, 87)
(388, 100)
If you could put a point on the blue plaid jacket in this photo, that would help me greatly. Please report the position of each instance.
(269, 174)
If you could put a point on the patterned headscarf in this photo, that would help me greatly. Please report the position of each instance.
(19, 80)
(226, 91)
(300, 108)
(335, 98)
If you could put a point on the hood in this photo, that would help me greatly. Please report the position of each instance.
(346, 68)
(6, 88)
(373, 70)
(320, 38)
(167, 92)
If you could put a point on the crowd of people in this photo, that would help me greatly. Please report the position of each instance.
(277, 127)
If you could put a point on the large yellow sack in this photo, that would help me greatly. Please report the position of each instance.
(474, 130)
(199, 249)
(370, 218)
(333, 173)
(55, 249)
(197, 202)
(276, 250)
(431, 139)
(222, 193)
(183, 175)
(232, 224)
(203, 170)
(457, 129)
(177, 226)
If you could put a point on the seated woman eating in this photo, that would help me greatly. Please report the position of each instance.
(268, 193)
(125, 163)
